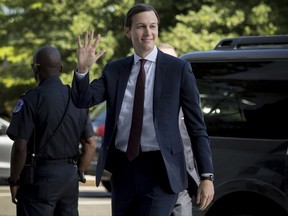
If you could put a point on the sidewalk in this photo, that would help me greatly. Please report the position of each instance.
(90, 181)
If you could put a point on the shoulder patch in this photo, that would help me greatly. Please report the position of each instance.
(18, 106)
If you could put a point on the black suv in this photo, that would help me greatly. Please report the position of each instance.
(243, 85)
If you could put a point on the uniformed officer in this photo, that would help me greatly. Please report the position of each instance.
(45, 131)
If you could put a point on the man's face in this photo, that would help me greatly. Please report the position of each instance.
(143, 32)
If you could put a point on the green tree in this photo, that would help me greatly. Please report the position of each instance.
(28, 25)
(188, 25)
(202, 29)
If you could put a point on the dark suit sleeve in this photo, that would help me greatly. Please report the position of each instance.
(194, 121)
(85, 95)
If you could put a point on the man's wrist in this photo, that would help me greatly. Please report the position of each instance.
(209, 177)
(83, 70)
(80, 76)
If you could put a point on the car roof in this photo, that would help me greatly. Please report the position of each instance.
(244, 49)
(253, 42)
(216, 55)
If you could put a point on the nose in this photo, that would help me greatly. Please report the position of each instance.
(147, 30)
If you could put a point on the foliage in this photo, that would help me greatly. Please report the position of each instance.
(202, 29)
(188, 25)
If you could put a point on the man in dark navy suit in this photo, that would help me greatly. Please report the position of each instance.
(147, 179)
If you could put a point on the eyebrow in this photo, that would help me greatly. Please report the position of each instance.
(154, 23)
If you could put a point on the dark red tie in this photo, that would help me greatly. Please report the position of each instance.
(133, 148)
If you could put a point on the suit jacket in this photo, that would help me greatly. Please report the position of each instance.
(174, 87)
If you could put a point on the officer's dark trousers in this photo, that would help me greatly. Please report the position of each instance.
(140, 187)
(54, 193)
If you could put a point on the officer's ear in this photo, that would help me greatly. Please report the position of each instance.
(35, 68)
(61, 68)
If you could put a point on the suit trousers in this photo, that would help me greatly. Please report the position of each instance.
(141, 187)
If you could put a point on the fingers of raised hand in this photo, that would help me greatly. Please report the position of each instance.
(99, 54)
(96, 42)
(79, 42)
(85, 39)
(90, 39)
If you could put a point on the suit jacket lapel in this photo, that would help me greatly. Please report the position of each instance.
(123, 76)
(124, 71)
(159, 79)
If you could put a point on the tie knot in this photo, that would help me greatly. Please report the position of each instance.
(142, 61)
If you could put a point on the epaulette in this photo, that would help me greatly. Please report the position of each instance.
(30, 90)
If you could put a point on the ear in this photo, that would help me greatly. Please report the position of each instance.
(127, 32)
(61, 68)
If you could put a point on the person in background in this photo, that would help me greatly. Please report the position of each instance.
(183, 206)
(47, 129)
(142, 145)
(167, 48)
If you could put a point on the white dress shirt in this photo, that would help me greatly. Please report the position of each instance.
(148, 136)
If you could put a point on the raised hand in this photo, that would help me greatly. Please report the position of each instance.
(86, 54)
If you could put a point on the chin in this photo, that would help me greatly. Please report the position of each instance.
(149, 46)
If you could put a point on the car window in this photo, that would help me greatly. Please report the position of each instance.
(244, 99)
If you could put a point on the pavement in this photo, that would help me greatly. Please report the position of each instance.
(90, 181)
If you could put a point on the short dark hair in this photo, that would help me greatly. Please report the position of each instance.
(138, 8)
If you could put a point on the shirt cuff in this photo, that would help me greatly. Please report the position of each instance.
(206, 174)
(80, 76)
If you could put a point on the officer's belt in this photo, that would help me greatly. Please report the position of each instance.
(70, 160)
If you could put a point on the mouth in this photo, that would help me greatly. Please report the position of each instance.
(147, 39)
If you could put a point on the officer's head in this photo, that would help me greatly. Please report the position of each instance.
(46, 63)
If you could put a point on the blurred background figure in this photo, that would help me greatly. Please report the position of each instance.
(183, 206)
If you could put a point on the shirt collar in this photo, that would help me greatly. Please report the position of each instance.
(150, 57)
(50, 79)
